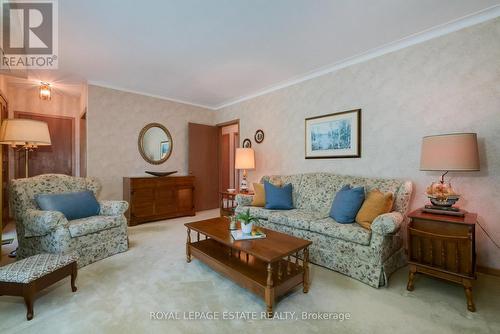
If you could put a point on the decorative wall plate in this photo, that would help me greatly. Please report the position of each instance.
(247, 143)
(259, 136)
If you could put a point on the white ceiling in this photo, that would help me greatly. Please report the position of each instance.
(212, 52)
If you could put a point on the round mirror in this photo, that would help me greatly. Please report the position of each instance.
(155, 143)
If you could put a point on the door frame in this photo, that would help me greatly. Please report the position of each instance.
(73, 156)
(219, 155)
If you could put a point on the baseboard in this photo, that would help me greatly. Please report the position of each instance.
(488, 271)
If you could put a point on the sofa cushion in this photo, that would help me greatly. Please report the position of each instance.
(259, 197)
(348, 232)
(346, 204)
(73, 205)
(279, 180)
(278, 198)
(84, 226)
(376, 203)
(294, 218)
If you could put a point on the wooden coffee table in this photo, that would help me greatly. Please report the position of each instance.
(268, 267)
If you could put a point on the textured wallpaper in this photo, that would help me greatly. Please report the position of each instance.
(114, 121)
(448, 84)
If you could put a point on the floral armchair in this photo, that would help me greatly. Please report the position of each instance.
(92, 238)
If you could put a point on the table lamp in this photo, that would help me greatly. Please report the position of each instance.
(28, 134)
(455, 152)
(244, 159)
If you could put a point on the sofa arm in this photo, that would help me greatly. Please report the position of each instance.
(113, 208)
(38, 223)
(388, 223)
(244, 200)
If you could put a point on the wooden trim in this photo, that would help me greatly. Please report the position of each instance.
(488, 271)
(73, 138)
(234, 121)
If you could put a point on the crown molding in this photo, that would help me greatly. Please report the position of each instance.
(170, 99)
(425, 35)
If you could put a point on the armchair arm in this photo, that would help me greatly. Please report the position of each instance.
(387, 223)
(38, 223)
(244, 200)
(113, 208)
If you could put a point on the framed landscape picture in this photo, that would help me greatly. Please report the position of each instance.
(335, 135)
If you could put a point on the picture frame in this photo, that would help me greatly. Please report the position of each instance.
(247, 143)
(259, 136)
(331, 136)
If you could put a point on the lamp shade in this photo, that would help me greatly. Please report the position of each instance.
(21, 131)
(450, 152)
(245, 158)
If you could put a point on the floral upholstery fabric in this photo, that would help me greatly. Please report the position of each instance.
(369, 256)
(113, 208)
(40, 223)
(348, 232)
(294, 218)
(387, 223)
(33, 267)
(84, 226)
(50, 232)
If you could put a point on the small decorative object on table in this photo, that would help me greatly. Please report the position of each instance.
(160, 173)
(239, 235)
(246, 221)
(448, 152)
(232, 224)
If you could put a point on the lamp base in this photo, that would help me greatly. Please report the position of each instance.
(443, 210)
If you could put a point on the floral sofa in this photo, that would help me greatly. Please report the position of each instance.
(369, 256)
(92, 238)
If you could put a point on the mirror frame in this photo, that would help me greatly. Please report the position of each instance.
(141, 146)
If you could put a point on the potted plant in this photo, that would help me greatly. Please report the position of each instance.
(246, 221)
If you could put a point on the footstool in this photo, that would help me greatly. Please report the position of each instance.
(28, 276)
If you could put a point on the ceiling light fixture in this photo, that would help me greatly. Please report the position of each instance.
(45, 91)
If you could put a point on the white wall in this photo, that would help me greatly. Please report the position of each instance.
(114, 121)
(448, 84)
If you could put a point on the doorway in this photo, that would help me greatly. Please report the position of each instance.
(229, 141)
(59, 157)
(211, 161)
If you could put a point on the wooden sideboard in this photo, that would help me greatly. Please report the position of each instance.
(157, 198)
(444, 247)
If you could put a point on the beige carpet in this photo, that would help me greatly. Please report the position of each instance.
(116, 295)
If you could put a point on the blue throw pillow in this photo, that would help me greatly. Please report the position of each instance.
(73, 205)
(278, 198)
(347, 203)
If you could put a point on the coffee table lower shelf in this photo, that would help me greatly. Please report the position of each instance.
(265, 279)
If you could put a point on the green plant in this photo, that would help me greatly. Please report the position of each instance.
(246, 217)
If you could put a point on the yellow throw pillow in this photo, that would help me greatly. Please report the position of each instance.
(375, 204)
(259, 198)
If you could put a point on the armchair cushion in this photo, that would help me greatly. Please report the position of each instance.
(39, 223)
(387, 223)
(74, 205)
(113, 208)
(84, 226)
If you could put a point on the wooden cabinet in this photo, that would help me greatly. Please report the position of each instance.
(157, 198)
(443, 246)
